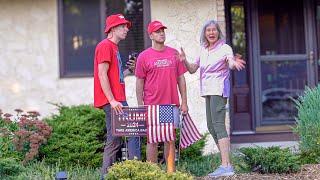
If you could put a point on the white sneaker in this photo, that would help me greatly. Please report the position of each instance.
(222, 171)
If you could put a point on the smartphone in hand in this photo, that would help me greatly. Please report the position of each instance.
(131, 63)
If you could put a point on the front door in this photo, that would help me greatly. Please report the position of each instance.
(283, 58)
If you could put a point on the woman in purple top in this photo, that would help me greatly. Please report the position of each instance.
(215, 59)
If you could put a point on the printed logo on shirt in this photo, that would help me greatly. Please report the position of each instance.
(121, 76)
(162, 63)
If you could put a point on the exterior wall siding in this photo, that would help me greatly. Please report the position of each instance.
(29, 59)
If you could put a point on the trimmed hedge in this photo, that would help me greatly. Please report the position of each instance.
(271, 160)
(77, 137)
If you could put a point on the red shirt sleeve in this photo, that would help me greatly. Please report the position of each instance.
(140, 71)
(104, 53)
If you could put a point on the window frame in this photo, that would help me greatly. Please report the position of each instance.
(63, 73)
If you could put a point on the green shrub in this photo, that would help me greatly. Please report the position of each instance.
(194, 151)
(271, 159)
(22, 135)
(9, 167)
(77, 137)
(143, 148)
(239, 163)
(208, 163)
(7, 148)
(201, 166)
(309, 157)
(137, 170)
(308, 125)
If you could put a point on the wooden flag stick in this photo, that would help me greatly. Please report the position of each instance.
(171, 157)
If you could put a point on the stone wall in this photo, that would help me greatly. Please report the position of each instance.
(29, 74)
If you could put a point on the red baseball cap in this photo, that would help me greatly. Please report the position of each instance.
(155, 26)
(115, 20)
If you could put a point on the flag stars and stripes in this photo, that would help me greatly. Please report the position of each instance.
(189, 132)
(160, 124)
(166, 114)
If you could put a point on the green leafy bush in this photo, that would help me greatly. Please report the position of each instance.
(10, 167)
(308, 125)
(201, 166)
(7, 127)
(22, 135)
(208, 163)
(239, 163)
(271, 159)
(194, 151)
(77, 137)
(137, 170)
(309, 157)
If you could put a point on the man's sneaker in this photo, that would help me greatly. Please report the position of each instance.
(222, 171)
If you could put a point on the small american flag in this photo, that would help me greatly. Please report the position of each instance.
(189, 132)
(160, 124)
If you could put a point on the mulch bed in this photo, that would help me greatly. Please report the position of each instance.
(310, 171)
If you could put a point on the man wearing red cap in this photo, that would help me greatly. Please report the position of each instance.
(160, 73)
(109, 87)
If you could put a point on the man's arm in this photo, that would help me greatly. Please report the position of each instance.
(183, 93)
(139, 90)
(105, 85)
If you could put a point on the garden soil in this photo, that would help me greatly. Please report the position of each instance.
(311, 171)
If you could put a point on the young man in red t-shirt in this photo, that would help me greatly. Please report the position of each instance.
(159, 73)
(109, 87)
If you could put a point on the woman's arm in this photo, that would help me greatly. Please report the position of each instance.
(191, 67)
(236, 62)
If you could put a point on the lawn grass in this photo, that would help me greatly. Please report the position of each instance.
(41, 171)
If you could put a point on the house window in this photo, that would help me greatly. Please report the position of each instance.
(238, 40)
(81, 27)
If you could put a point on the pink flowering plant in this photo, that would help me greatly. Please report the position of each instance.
(21, 135)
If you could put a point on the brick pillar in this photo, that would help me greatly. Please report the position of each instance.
(221, 15)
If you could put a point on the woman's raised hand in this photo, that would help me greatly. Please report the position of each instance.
(182, 55)
(239, 63)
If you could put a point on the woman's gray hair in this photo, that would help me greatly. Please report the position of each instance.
(203, 40)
